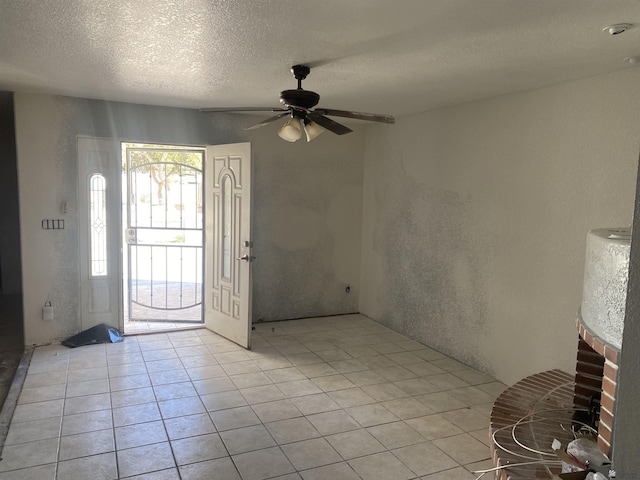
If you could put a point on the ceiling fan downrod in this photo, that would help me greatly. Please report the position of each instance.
(300, 72)
(300, 98)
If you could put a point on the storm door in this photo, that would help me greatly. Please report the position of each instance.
(164, 234)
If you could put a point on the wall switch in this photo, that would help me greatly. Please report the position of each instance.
(52, 224)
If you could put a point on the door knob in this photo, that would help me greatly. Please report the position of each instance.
(246, 258)
(131, 237)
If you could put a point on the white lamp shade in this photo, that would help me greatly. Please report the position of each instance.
(312, 129)
(291, 131)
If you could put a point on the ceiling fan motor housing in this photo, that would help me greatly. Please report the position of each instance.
(299, 98)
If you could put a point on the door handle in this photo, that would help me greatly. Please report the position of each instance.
(246, 258)
(132, 236)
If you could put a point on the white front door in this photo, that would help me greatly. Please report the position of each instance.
(227, 298)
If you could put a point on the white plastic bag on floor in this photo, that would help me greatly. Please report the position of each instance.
(587, 452)
(596, 476)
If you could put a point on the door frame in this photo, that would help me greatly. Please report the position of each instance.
(128, 229)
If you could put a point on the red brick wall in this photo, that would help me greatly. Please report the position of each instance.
(597, 379)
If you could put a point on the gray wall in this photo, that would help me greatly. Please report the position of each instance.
(475, 219)
(286, 193)
(627, 421)
(307, 218)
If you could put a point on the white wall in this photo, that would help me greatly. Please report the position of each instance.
(302, 202)
(475, 219)
(308, 210)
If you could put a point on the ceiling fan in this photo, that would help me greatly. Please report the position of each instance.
(299, 106)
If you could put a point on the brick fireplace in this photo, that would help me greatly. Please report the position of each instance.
(600, 325)
(593, 388)
(529, 415)
(596, 382)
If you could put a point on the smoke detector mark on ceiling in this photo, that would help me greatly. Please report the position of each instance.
(617, 28)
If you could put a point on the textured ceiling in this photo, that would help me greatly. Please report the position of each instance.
(384, 56)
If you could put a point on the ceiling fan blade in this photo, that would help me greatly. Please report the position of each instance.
(329, 124)
(268, 120)
(372, 117)
(244, 109)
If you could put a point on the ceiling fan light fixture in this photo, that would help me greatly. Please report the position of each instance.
(312, 130)
(291, 131)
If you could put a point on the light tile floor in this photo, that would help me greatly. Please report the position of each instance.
(336, 398)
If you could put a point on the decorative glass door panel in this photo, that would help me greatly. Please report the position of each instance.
(164, 234)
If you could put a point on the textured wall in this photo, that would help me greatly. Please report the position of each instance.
(604, 291)
(475, 219)
(310, 204)
(307, 222)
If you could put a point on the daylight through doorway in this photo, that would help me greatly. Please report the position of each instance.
(162, 237)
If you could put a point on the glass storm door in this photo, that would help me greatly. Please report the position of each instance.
(164, 234)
